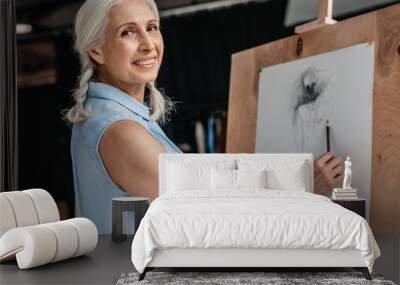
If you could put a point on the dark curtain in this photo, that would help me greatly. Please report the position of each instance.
(8, 98)
(197, 57)
(198, 49)
(45, 160)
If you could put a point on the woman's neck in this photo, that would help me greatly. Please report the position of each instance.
(135, 90)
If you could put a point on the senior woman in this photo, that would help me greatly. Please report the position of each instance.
(116, 139)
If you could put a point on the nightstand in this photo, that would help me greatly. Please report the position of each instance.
(357, 205)
(137, 205)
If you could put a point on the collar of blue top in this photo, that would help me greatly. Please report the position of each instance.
(108, 92)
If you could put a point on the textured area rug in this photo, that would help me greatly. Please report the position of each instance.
(231, 278)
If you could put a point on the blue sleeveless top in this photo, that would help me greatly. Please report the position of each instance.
(93, 187)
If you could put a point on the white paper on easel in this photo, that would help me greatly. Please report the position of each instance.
(292, 117)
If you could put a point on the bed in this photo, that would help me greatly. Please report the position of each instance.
(247, 211)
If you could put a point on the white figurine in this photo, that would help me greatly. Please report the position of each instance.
(347, 174)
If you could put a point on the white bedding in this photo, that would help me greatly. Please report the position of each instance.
(251, 218)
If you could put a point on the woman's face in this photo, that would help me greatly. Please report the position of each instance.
(133, 46)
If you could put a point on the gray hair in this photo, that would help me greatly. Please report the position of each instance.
(90, 24)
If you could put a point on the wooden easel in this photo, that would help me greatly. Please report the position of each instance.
(324, 19)
(381, 27)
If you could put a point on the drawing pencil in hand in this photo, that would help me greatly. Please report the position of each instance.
(328, 141)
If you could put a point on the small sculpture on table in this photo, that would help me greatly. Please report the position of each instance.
(346, 192)
(347, 174)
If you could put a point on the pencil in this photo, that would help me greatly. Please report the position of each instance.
(328, 141)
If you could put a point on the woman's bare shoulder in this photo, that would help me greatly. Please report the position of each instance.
(130, 155)
(129, 137)
(126, 131)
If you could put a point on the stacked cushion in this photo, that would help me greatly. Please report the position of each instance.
(26, 208)
(31, 231)
(7, 218)
(41, 244)
(45, 205)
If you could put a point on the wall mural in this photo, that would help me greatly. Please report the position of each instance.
(301, 103)
(308, 111)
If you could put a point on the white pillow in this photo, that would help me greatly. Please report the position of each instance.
(223, 179)
(282, 174)
(197, 160)
(290, 179)
(181, 177)
(228, 179)
(251, 178)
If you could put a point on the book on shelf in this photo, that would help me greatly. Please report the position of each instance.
(345, 194)
(341, 190)
(337, 196)
(345, 198)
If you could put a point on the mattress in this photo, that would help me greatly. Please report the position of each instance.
(251, 219)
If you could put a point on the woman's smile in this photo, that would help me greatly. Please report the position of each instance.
(146, 63)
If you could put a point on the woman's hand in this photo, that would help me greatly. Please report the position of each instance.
(328, 173)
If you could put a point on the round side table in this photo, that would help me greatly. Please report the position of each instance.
(120, 206)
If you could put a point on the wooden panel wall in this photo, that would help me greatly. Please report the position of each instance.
(381, 27)
(385, 178)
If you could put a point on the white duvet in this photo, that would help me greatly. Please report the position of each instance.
(250, 218)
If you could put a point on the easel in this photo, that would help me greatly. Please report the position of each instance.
(381, 27)
(324, 19)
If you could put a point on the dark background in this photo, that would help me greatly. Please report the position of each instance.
(195, 72)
